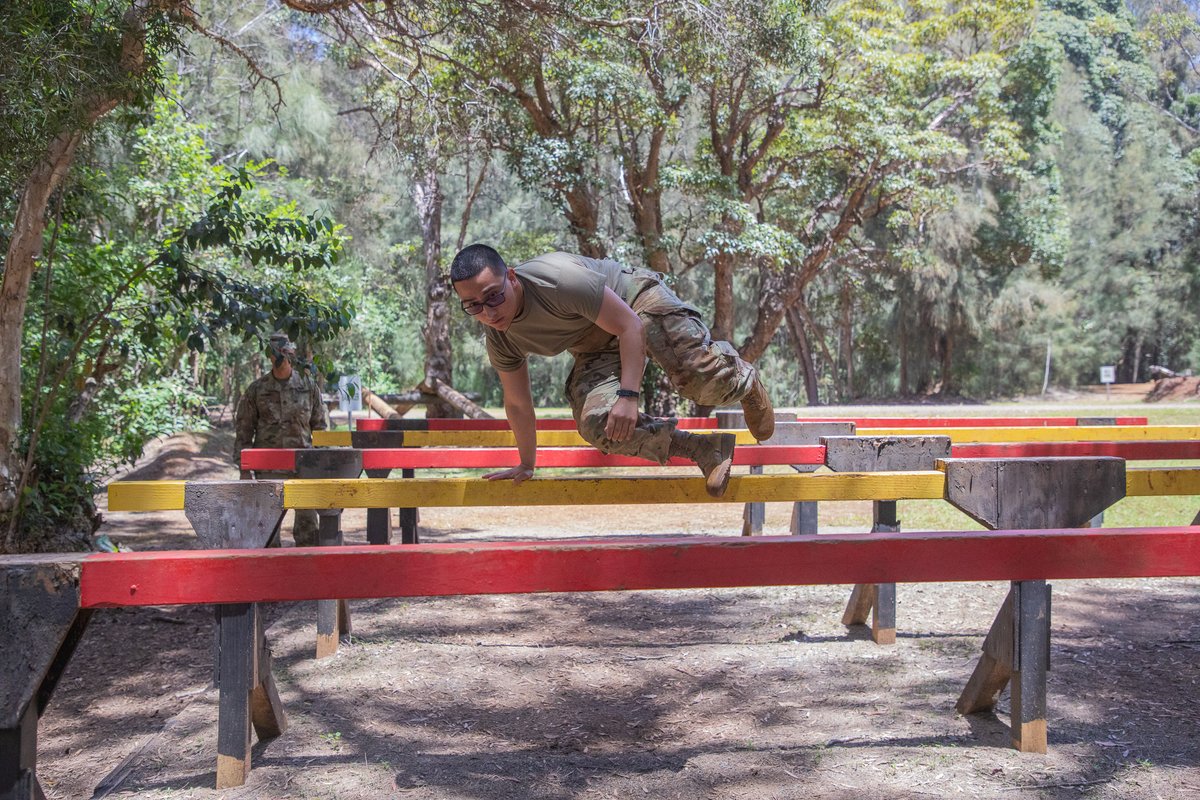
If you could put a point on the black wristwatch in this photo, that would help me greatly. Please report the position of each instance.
(628, 393)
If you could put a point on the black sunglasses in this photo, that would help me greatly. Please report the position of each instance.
(475, 308)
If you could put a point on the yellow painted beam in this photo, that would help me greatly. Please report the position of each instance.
(487, 438)
(1161, 481)
(466, 492)
(145, 496)
(463, 492)
(1072, 433)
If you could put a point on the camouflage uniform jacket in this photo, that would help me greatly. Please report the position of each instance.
(275, 413)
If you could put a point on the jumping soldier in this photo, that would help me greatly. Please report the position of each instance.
(281, 409)
(609, 317)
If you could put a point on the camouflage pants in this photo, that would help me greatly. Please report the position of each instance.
(704, 371)
(304, 527)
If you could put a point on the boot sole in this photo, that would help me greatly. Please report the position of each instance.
(718, 480)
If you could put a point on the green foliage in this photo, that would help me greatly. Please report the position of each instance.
(58, 57)
(158, 252)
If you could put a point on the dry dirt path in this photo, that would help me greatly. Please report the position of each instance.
(757, 693)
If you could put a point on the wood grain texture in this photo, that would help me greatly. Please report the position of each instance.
(1106, 433)
(371, 571)
(693, 423)
(466, 492)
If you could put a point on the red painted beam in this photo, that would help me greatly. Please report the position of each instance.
(749, 455)
(695, 423)
(486, 457)
(1130, 451)
(690, 423)
(243, 576)
(269, 459)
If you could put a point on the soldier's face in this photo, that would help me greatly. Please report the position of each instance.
(490, 297)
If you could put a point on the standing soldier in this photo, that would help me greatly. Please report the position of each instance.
(281, 409)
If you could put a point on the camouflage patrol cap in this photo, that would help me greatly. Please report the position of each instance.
(280, 344)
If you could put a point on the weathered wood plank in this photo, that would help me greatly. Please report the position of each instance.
(693, 423)
(238, 677)
(1111, 433)
(1034, 492)
(370, 571)
(463, 492)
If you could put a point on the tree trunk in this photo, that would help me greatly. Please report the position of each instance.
(804, 352)
(902, 346)
(24, 247)
(583, 217)
(947, 348)
(427, 194)
(847, 336)
(1137, 357)
(723, 317)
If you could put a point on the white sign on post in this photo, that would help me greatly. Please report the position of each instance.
(349, 393)
(1108, 374)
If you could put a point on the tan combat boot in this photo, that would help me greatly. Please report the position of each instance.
(713, 454)
(760, 415)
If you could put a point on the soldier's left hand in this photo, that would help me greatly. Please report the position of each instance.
(622, 419)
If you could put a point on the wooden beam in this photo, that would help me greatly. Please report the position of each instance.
(464, 492)
(571, 438)
(1130, 451)
(694, 423)
(495, 438)
(168, 495)
(283, 460)
(1105, 433)
(1161, 481)
(367, 571)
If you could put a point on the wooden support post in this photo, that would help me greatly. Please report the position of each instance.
(1026, 493)
(754, 514)
(379, 520)
(393, 437)
(790, 432)
(225, 516)
(995, 666)
(331, 613)
(410, 518)
(40, 626)
(883, 616)
(804, 518)
(1098, 520)
(878, 600)
(266, 711)
(881, 454)
(18, 759)
(238, 648)
(1031, 616)
(1017, 649)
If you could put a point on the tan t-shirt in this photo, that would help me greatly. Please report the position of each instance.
(563, 293)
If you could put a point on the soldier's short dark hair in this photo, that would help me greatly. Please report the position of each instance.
(474, 259)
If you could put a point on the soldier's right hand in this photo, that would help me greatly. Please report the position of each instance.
(517, 474)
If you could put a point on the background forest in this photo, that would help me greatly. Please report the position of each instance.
(869, 198)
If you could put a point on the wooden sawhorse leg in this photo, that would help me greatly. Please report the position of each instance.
(247, 695)
(876, 599)
(1017, 649)
(333, 616)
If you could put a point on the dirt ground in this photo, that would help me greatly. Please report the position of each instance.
(755, 693)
